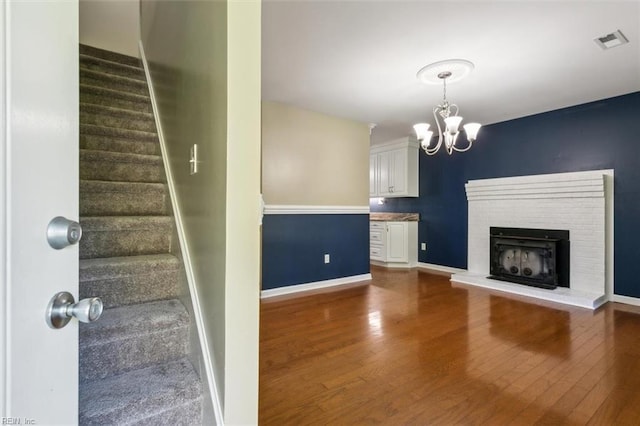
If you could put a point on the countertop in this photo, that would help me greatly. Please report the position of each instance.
(394, 217)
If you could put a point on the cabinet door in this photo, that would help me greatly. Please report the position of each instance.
(373, 175)
(398, 168)
(397, 242)
(385, 174)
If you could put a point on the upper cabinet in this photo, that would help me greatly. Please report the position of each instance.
(393, 169)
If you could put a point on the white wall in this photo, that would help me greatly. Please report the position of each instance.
(111, 25)
(204, 58)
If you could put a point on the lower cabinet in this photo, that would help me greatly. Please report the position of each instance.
(393, 244)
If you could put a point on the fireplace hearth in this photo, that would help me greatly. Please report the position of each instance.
(535, 257)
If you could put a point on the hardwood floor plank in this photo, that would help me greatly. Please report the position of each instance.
(411, 349)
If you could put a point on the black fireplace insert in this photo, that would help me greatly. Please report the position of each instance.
(536, 257)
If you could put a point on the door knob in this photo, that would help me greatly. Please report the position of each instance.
(63, 232)
(62, 307)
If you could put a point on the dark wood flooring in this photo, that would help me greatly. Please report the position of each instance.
(411, 349)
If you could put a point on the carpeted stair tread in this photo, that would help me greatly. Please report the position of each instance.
(106, 116)
(106, 198)
(90, 129)
(128, 187)
(123, 113)
(113, 82)
(128, 223)
(111, 236)
(134, 320)
(111, 67)
(130, 279)
(109, 55)
(119, 157)
(108, 143)
(103, 96)
(114, 267)
(167, 394)
(120, 166)
(133, 336)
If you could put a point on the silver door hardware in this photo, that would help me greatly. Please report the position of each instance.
(62, 307)
(63, 232)
(193, 159)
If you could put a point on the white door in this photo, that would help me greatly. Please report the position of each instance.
(38, 181)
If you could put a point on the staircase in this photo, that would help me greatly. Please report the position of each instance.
(134, 366)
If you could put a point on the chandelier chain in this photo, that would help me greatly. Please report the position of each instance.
(444, 90)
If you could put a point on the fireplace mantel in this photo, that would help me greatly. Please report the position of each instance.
(581, 202)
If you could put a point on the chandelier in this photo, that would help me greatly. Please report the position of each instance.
(446, 114)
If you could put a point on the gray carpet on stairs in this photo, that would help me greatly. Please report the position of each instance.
(134, 367)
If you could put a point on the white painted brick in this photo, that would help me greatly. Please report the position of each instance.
(523, 202)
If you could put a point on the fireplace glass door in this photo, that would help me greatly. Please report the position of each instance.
(526, 261)
(537, 257)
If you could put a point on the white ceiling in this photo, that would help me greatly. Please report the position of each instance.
(358, 59)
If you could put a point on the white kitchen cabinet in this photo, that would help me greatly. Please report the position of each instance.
(393, 244)
(393, 169)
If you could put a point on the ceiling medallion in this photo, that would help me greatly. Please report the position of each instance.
(451, 70)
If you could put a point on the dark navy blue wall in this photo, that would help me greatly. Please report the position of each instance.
(293, 248)
(598, 135)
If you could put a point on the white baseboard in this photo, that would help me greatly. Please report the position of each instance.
(625, 299)
(439, 268)
(184, 248)
(281, 291)
(392, 265)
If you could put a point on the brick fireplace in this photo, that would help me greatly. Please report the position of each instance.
(580, 202)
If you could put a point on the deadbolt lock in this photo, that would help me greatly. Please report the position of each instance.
(63, 232)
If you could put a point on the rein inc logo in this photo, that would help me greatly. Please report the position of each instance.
(17, 421)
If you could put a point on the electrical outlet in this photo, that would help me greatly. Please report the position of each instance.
(423, 246)
(327, 258)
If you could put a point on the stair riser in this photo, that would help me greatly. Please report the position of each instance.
(132, 289)
(124, 122)
(123, 204)
(114, 102)
(123, 172)
(111, 358)
(105, 143)
(110, 243)
(139, 88)
(112, 68)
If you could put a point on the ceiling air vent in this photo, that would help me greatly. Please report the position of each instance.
(611, 40)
